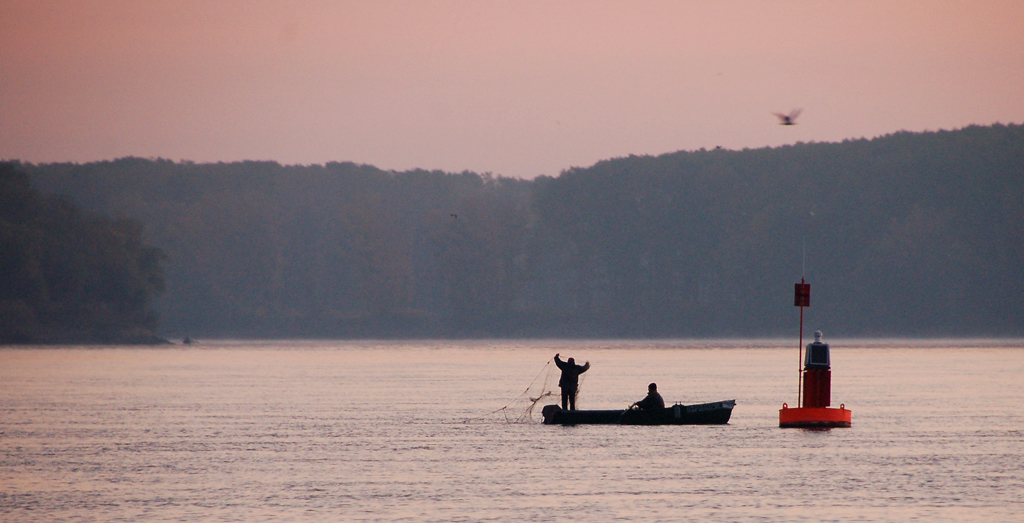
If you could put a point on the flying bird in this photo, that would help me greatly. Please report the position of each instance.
(456, 216)
(788, 119)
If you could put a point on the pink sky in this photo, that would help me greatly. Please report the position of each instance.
(514, 88)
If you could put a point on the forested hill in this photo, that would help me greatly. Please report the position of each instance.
(911, 234)
(68, 276)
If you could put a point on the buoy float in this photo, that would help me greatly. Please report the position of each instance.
(814, 388)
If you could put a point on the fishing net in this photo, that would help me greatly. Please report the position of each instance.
(540, 392)
(521, 409)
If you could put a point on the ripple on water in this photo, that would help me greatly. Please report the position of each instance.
(407, 431)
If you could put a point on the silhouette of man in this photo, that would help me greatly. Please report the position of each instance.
(570, 380)
(653, 399)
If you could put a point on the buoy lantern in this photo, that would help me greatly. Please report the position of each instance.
(815, 381)
(817, 375)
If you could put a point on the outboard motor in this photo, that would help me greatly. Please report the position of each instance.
(817, 374)
(549, 412)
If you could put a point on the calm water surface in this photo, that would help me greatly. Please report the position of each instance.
(415, 431)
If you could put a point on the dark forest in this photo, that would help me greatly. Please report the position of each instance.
(68, 276)
(910, 234)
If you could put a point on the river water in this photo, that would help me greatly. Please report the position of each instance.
(439, 431)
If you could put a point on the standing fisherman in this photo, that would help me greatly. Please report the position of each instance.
(570, 380)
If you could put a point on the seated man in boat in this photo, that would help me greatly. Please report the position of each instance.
(652, 401)
(570, 380)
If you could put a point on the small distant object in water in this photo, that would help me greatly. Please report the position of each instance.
(186, 341)
(788, 119)
(453, 215)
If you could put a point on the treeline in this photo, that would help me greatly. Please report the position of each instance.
(912, 234)
(71, 276)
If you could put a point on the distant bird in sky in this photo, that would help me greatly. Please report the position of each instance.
(456, 216)
(787, 119)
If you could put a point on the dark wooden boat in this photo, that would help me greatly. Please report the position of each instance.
(715, 413)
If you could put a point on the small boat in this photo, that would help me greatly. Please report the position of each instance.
(715, 413)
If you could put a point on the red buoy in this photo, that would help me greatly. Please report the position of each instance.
(815, 385)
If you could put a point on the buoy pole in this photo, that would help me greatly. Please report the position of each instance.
(800, 361)
(801, 298)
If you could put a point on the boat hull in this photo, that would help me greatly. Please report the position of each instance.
(715, 413)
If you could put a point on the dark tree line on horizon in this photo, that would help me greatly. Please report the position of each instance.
(68, 276)
(911, 234)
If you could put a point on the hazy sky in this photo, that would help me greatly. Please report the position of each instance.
(517, 88)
